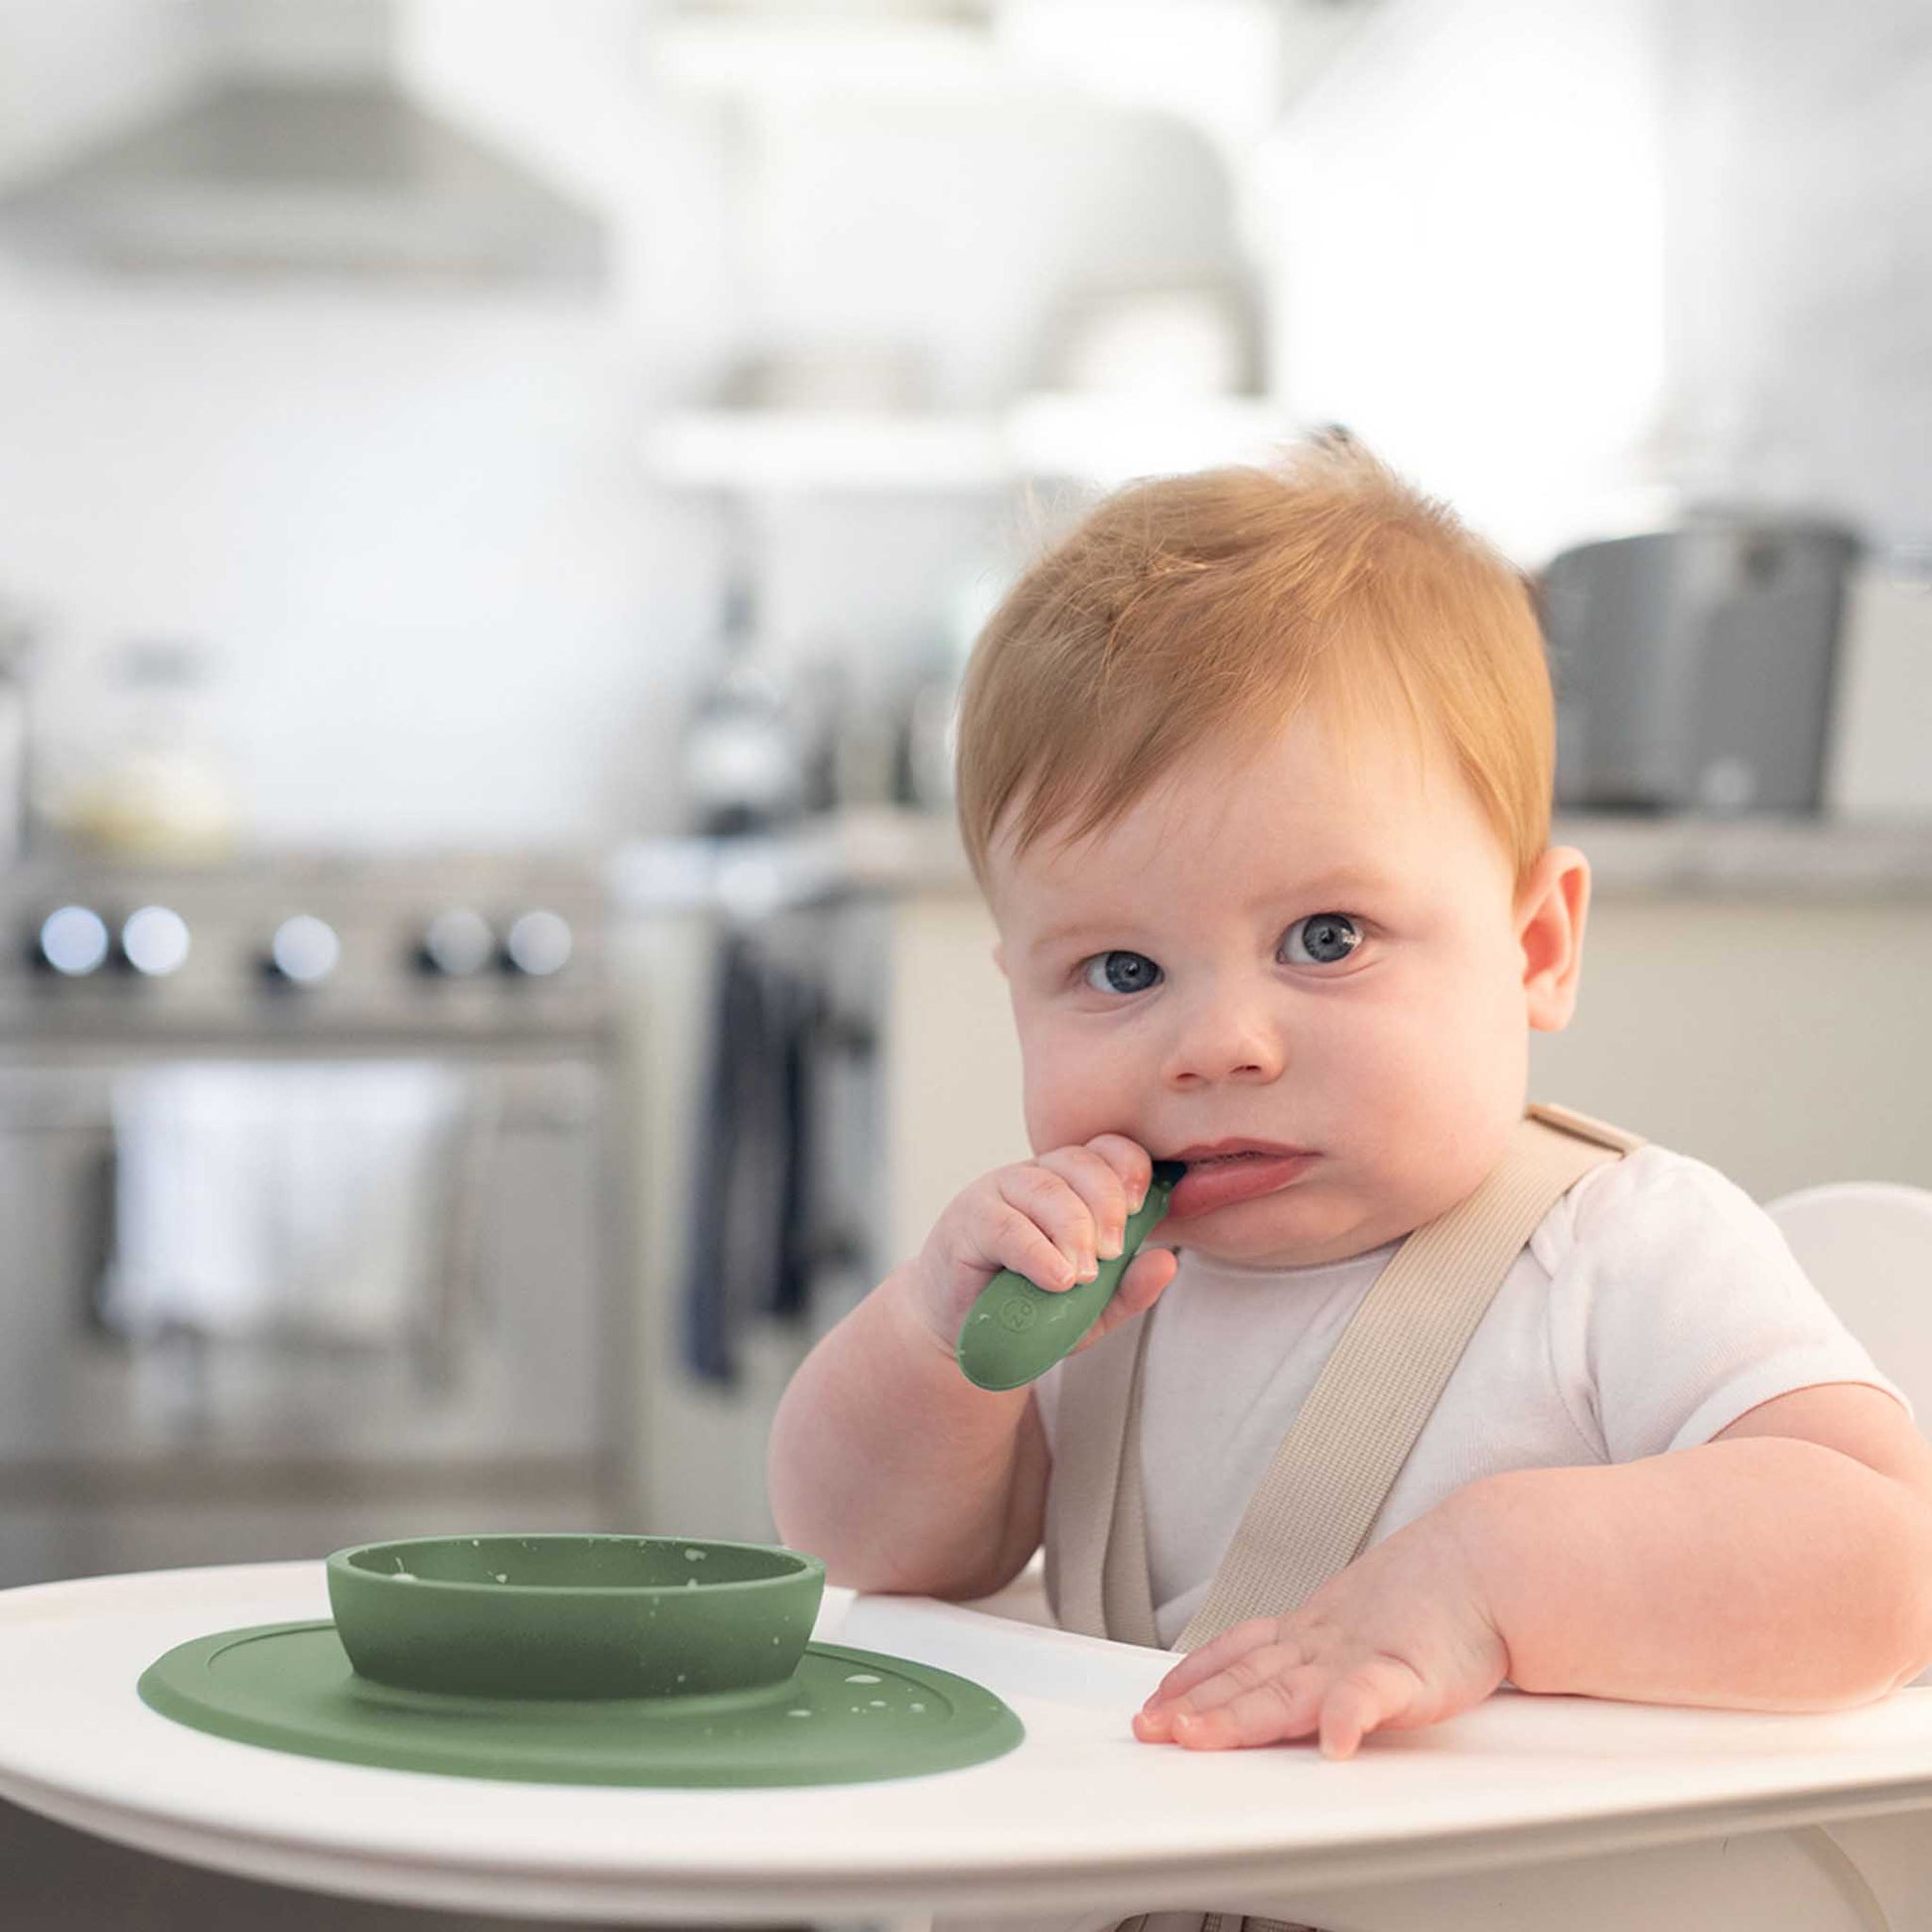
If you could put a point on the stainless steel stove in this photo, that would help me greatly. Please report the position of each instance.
(306, 1185)
(304, 949)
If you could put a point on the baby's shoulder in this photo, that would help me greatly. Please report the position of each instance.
(1654, 1210)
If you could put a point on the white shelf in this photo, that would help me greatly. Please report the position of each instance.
(1085, 437)
(1108, 440)
(785, 450)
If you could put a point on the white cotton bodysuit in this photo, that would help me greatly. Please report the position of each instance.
(1653, 1306)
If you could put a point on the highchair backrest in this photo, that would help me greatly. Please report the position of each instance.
(1866, 1246)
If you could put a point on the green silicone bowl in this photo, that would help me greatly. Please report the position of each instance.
(574, 1616)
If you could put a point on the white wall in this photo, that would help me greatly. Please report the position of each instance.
(451, 606)
(443, 593)
(1557, 261)
(1468, 228)
(1801, 252)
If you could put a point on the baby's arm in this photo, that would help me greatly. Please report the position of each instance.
(1787, 1565)
(901, 1474)
(884, 1459)
(1784, 1566)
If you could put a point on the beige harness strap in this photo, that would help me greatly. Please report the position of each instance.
(1096, 1528)
(1336, 1466)
(1313, 1510)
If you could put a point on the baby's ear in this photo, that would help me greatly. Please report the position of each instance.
(1551, 915)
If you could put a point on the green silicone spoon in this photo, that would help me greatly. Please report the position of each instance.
(1015, 1332)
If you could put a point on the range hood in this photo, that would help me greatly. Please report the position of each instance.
(299, 152)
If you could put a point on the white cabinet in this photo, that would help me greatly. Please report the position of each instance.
(1786, 1041)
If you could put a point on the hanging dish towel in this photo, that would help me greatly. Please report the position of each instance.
(285, 1200)
(750, 1242)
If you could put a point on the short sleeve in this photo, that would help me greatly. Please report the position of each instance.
(1687, 1305)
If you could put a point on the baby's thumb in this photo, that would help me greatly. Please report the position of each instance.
(1149, 1273)
(1144, 1282)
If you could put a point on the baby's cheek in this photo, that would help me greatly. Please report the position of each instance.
(1069, 1096)
(1388, 1096)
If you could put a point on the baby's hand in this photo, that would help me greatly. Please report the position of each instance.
(1052, 1219)
(1403, 1638)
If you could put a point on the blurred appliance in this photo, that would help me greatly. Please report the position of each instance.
(929, 743)
(310, 1230)
(746, 756)
(157, 783)
(300, 150)
(780, 1216)
(1694, 666)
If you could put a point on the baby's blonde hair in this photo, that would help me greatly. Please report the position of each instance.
(1211, 608)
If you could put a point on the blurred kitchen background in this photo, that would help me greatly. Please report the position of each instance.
(494, 500)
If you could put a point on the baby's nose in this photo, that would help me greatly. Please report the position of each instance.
(1226, 1044)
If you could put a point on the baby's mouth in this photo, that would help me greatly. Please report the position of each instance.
(1221, 1179)
(1207, 1153)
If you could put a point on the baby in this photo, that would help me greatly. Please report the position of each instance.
(1255, 771)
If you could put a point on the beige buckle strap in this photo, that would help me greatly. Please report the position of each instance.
(1339, 1459)
(1096, 1526)
(1096, 1535)
(1337, 1465)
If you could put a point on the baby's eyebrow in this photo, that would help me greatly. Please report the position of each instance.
(1060, 935)
(1357, 878)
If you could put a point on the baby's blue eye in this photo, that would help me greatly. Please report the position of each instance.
(1135, 973)
(1331, 936)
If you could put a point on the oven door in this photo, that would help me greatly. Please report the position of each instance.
(301, 1263)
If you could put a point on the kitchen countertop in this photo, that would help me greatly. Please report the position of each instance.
(882, 851)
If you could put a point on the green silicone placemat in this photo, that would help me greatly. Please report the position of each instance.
(846, 1716)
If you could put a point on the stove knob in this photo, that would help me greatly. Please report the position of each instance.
(456, 944)
(154, 942)
(73, 942)
(537, 945)
(303, 952)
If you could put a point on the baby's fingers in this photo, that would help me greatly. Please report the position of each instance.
(1261, 1665)
(1380, 1691)
(1283, 1704)
(1045, 1230)
(1215, 1656)
(1130, 1160)
(1144, 1282)
(1147, 1276)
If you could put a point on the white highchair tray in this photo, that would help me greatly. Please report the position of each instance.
(1082, 1815)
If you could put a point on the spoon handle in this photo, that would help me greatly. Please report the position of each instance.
(1015, 1332)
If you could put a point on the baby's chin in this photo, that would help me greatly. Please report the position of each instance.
(1249, 1235)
